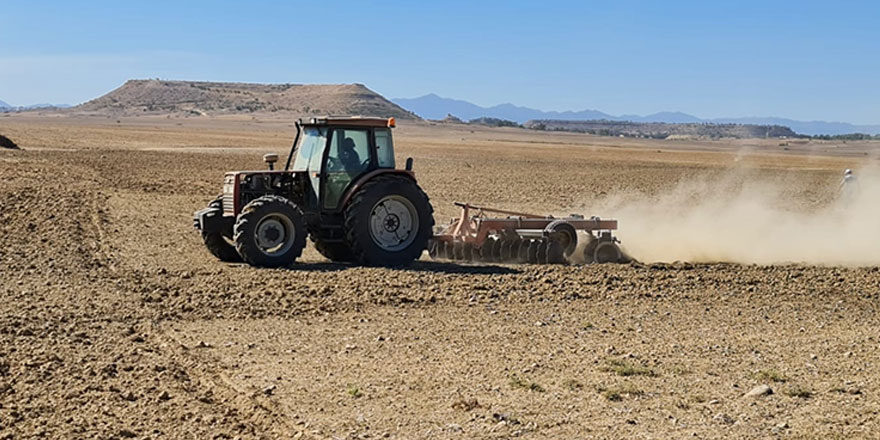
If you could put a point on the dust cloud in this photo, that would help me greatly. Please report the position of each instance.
(730, 219)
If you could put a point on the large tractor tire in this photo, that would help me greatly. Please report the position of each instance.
(388, 222)
(218, 244)
(270, 231)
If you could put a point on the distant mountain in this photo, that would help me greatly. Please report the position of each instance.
(43, 106)
(805, 127)
(435, 107)
(4, 107)
(154, 96)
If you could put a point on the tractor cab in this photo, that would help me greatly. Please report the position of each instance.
(339, 186)
(335, 152)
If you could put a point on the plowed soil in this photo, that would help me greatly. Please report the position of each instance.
(115, 322)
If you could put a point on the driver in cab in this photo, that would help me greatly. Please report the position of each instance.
(350, 159)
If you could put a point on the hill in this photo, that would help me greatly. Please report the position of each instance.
(4, 105)
(197, 97)
(432, 106)
(662, 130)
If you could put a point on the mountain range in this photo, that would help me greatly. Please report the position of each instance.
(432, 106)
(5, 107)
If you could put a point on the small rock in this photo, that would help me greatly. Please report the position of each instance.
(454, 427)
(498, 426)
(760, 391)
(164, 396)
(723, 418)
(779, 427)
(269, 390)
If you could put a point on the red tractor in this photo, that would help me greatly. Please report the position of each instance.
(339, 186)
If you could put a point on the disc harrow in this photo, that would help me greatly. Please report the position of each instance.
(524, 238)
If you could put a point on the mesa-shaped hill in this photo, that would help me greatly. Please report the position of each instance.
(154, 96)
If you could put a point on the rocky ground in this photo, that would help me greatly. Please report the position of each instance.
(116, 323)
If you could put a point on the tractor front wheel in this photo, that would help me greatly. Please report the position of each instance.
(217, 243)
(270, 231)
(388, 222)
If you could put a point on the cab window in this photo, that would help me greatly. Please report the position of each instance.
(384, 149)
(349, 156)
(312, 144)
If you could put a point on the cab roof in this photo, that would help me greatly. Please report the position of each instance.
(359, 121)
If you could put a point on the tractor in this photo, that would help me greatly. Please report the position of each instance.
(339, 187)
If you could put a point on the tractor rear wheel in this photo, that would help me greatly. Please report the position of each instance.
(388, 222)
(217, 243)
(270, 231)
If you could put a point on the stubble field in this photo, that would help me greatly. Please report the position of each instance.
(115, 322)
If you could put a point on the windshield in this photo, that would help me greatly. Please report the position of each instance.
(313, 141)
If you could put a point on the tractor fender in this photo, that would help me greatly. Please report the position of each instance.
(354, 187)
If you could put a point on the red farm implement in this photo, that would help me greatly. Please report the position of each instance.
(516, 237)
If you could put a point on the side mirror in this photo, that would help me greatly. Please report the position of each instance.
(270, 160)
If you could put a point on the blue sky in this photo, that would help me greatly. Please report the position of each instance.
(798, 59)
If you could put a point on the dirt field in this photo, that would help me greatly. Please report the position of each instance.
(116, 323)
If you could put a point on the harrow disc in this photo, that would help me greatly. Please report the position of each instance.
(496, 250)
(467, 252)
(433, 249)
(457, 251)
(541, 252)
(486, 251)
(508, 252)
(526, 250)
(445, 251)
(607, 252)
(555, 253)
